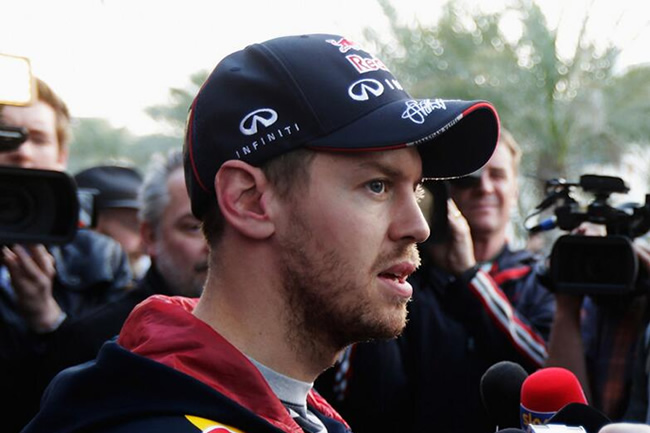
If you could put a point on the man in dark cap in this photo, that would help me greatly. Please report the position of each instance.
(304, 158)
(115, 208)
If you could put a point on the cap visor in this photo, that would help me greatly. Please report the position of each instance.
(454, 137)
(110, 204)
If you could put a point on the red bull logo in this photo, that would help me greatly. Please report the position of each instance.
(344, 44)
(366, 64)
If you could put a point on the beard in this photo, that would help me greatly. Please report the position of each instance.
(181, 281)
(326, 305)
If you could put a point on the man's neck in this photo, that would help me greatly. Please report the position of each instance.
(253, 321)
(486, 247)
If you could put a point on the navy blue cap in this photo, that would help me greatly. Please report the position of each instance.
(323, 92)
(116, 186)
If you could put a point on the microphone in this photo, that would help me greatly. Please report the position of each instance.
(500, 390)
(545, 392)
(626, 427)
(578, 414)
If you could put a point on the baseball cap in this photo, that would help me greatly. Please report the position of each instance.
(323, 92)
(116, 186)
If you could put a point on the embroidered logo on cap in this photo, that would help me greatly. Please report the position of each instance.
(366, 64)
(344, 44)
(417, 111)
(362, 89)
(264, 116)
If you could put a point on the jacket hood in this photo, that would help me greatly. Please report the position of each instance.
(167, 363)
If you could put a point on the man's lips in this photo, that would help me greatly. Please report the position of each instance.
(399, 272)
(480, 207)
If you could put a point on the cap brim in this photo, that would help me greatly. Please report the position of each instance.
(111, 204)
(454, 137)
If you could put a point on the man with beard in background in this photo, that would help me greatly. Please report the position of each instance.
(170, 233)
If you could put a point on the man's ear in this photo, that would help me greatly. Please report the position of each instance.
(62, 158)
(241, 191)
(148, 238)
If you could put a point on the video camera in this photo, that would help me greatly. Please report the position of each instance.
(439, 189)
(594, 265)
(36, 206)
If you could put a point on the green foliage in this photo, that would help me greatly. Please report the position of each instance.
(175, 113)
(96, 142)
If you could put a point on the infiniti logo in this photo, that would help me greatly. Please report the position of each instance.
(264, 116)
(362, 89)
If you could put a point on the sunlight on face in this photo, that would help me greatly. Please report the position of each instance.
(349, 244)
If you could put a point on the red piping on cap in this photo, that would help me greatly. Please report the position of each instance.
(491, 108)
(190, 130)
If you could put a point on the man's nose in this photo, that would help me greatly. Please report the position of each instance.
(485, 183)
(409, 222)
(22, 156)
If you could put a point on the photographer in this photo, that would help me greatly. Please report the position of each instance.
(597, 337)
(42, 286)
(475, 302)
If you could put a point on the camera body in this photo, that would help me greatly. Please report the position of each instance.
(595, 265)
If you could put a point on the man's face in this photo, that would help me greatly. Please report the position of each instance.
(487, 205)
(42, 149)
(122, 225)
(349, 244)
(178, 249)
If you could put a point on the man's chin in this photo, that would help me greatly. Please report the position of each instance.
(484, 224)
(391, 327)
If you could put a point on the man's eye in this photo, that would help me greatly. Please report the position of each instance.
(377, 186)
(38, 138)
(192, 228)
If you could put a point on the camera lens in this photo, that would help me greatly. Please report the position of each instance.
(16, 207)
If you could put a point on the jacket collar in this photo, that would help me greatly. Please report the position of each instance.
(164, 329)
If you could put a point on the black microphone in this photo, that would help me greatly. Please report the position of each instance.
(578, 414)
(500, 393)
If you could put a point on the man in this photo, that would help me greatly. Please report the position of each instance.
(115, 208)
(42, 287)
(34, 272)
(303, 160)
(171, 235)
(476, 302)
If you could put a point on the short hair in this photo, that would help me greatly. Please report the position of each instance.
(154, 193)
(287, 173)
(506, 138)
(62, 115)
